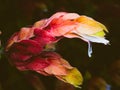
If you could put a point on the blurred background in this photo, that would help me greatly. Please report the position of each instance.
(102, 68)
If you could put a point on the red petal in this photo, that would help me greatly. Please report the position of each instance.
(38, 63)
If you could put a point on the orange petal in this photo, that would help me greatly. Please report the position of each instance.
(25, 33)
(58, 67)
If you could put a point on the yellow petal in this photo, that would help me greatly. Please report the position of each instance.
(74, 77)
(89, 26)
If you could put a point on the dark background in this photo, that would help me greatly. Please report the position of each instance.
(15, 14)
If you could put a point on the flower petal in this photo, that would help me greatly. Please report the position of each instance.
(89, 26)
(23, 34)
(74, 78)
(58, 67)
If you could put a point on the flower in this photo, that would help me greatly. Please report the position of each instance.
(32, 48)
(72, 25)
(62, 24)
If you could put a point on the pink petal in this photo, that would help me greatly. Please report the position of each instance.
(56, 15)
